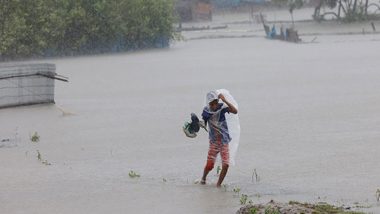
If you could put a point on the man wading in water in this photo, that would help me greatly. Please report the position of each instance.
(214, 115)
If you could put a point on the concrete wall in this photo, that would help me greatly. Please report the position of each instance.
(23, 84)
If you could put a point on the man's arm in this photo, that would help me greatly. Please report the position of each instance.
(205, 116)
(231, 108)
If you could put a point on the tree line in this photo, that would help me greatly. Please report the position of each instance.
(40, 28)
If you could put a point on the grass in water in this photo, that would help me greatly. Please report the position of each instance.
(133, 174)
(243, 199)
(218, 169)
(237, 190)
(294, 207)
(35, 137)
(225, 187)
(255, 176)
(271, 210)
(253, 210)
(321, 208)
(39, 158)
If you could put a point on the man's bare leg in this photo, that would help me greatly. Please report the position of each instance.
(205, 173)
(209, 166)
(223, 174)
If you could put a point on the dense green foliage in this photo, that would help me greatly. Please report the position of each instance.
(69, 27)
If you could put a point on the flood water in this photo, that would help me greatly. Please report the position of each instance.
(309, 116)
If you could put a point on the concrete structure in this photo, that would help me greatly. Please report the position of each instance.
(26, 84)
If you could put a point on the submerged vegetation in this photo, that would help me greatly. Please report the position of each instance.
(218, 169)
(39, 158)
(35, 137)
(255, 176)
(72, 27)
(293, 207)
(133, 174)
(243, 199)
(236, 190)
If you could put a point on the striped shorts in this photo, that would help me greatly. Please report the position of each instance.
(214, 149)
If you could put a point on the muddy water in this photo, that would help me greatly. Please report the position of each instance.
(309, 115)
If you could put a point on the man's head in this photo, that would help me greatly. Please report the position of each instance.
(212, 100)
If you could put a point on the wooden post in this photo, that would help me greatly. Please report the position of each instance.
(340, 5)
(373, 27)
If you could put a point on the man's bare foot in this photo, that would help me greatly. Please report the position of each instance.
(218, 185)
(203, 181)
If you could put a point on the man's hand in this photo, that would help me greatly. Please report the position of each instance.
(221, 96)
(231, 108)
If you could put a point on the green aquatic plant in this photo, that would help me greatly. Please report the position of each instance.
(236, 190)
(243, 199)
(46, 163)
(35, 137)
(225, 187)
(327, 208)
(322, 208)
(39, 158)
(133, 174)
(271, 210)
(255, 176)
(218, 169)
(253, 210)
(297, 207)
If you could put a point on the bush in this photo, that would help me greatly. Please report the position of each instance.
(70, 27)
